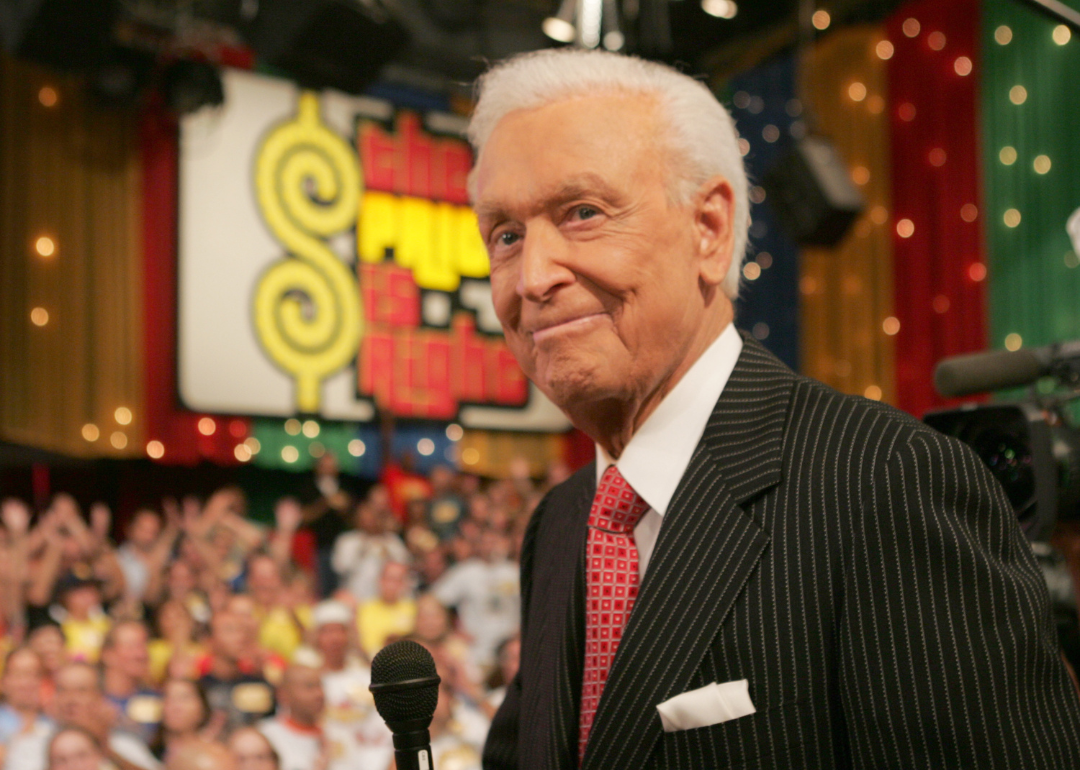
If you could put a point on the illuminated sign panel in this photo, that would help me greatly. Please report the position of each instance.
(330, 265)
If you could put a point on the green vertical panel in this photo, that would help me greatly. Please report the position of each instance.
(295, 444)
(1034, 275)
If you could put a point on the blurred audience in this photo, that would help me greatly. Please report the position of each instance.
(204, 638)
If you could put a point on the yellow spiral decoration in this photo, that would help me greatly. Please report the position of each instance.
(307, 310)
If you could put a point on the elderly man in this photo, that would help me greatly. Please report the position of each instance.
(759, 571)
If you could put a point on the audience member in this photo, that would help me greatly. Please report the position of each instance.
(125, 659)
(449, 746)
(296, 732)
(359, 555)
(145, 551)
(252, 751)
(484, 590)
(229, 676)
(80, 702)
(280, 630)
(351, 719)
(446, 508)
(185, 717)
(328, 504)
(202, 755)
(24, 728)
(509, 658)
(390, 614)
(47, 641)
(73, 748)
(174, 652)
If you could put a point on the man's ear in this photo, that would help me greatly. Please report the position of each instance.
(714, 220)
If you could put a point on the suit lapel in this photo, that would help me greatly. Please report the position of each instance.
(572, 651)
(706, 551)
(553, 739)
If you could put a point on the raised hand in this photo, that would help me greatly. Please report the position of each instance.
(100, 521)
(15, 515)
(288, 514)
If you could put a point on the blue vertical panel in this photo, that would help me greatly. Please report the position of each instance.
(766, 113)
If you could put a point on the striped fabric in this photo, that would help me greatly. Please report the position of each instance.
(863, 572)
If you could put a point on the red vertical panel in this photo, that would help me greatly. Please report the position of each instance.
(175, 428)
(933, 85)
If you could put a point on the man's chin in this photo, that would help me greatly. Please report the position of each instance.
(573, 389)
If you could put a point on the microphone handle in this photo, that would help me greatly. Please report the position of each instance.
(994, 370)
(412, 750)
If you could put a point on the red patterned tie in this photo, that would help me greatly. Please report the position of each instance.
(611, 579)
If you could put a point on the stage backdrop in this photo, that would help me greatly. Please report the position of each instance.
(70, 268)
(329, 266)
(1031, 157)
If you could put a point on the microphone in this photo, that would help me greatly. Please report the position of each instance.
(977, 372)
(998, 369)
(406, 691)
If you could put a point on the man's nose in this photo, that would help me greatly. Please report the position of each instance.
(545, 263)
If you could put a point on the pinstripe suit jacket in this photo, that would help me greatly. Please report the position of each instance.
(863, 572)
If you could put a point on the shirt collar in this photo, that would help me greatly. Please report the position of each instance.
(657, 455)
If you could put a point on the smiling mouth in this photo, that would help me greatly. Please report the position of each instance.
(565, 327)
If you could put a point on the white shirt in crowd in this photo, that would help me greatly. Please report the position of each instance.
(358, 559)
(655, 459)
(297, 747)
(486, 595)
(26, 750)
(352, 722)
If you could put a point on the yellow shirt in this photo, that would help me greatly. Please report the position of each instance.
(161, 654)
(83, 638)
(278, 631)
(377, 621)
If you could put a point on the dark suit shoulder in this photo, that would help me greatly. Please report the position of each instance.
(818, 425)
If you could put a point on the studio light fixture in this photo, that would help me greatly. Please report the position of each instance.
(587, 23)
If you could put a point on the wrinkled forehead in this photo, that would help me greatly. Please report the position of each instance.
(599, 128)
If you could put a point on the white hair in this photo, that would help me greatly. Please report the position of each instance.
(700, 132)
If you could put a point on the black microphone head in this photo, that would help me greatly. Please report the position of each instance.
(405, 684)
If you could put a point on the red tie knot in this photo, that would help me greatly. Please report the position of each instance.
(616, 507)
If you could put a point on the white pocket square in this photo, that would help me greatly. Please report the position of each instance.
(709, 705)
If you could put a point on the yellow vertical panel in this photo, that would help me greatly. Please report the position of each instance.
(70, 171)
(847, 291)
(492, 452)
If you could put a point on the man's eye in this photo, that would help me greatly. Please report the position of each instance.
(586, 212)
(507, 238)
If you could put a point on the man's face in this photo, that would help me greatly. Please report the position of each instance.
(129, 653)
(78, 694)
(229, 637)
(264, 581)
(22, 681)
(303, 691)
(595, 274)
(332, 641)
(392, 582)
(145, 528)
(72, 750)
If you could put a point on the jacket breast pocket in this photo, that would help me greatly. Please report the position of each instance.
(760, 741)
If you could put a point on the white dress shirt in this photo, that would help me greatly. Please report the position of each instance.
(656, 457)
